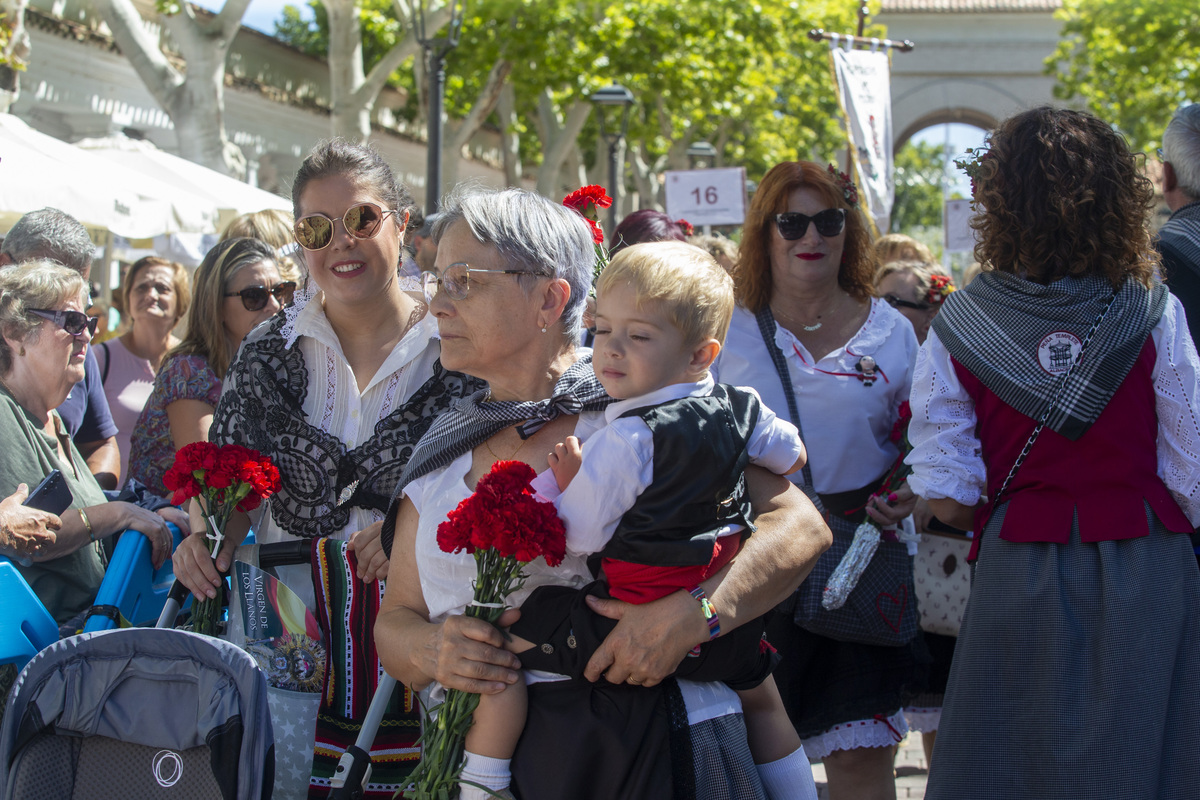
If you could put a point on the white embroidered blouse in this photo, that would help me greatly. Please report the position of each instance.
(946, 456)
(846, 424)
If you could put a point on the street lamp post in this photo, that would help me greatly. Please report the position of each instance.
(698, 150)
(603, 98)
(436, 48)
(695, 152)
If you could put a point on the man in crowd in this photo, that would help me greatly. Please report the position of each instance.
(1179, 238)
(424, 250)
(52, 234)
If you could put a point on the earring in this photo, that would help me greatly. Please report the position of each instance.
(543, 331)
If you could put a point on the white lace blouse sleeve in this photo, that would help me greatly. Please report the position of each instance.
(947, 459)
(1177, 402)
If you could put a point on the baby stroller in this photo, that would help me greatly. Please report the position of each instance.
(143, 713)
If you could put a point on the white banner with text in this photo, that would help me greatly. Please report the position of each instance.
(864, 83)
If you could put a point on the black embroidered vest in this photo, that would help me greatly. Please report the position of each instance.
(699, 486)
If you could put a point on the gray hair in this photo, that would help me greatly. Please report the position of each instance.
(1181, 147)
(50, 234)
(531, 233)
(33, 284)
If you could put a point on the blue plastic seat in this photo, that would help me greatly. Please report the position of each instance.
(132, 587)
(26, 627)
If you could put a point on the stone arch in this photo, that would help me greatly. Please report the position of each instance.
(963, 115)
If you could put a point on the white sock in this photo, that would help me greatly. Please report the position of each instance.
(490, 772)
(789, 778)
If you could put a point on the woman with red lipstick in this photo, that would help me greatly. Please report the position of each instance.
(337, 390)
(822, 351)
(44, 336)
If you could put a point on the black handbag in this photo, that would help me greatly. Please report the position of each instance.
(882, 607)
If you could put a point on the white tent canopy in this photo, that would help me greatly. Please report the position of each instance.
(37, 170)
(228, 196)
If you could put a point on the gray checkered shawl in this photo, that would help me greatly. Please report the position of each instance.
(994, 327)
(474, 419)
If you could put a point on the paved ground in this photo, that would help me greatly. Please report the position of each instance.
(911, 771)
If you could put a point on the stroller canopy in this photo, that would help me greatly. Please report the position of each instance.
(169, 700)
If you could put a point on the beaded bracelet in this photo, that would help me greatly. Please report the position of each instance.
(710, 613)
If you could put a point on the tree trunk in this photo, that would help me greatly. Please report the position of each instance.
(510, 140)
(557, 140)
(459, 132)
(195, 102)
(349, 116)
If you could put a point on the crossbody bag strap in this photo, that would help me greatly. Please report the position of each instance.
(1058, 393)
(766, 326)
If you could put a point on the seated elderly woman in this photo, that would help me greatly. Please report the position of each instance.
(511, 274)
(44, 337)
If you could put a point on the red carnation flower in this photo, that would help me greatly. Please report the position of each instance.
(688, 228)
(904, 416)
(507, 478)
(594, 196)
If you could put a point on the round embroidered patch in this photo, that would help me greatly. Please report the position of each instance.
(1057, 352)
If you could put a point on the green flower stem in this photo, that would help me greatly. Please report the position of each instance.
(443, 740)
(218, 506)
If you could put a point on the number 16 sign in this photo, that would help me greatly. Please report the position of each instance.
(707, 196)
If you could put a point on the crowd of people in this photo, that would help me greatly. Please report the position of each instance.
(707, 419)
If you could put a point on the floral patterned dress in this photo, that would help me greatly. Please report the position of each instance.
(152, 450)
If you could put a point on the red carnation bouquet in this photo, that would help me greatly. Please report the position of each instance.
(222, 479)
(505, 527)
(587, 202)
(867, 535)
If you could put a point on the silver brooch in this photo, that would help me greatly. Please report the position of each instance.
(347, 493)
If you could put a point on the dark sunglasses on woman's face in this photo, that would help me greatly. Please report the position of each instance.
(254, 298)
(73, 322)
(896, 302)
(793, 225)
(363, 221)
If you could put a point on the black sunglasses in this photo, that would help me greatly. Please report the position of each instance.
(254, 298)
(362, 221)
(73, 322)
(896, 302)
(793, 224)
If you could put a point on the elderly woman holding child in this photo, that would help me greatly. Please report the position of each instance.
(511, 276)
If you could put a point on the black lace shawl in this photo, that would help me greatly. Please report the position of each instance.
(262, 408)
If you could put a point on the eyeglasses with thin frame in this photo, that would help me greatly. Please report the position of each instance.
(362, 221)
(793, 225)
(73, 322)
(896, 302)
(254, 298)
(455, 281)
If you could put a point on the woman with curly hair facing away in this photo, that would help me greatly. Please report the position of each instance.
(809, 335)
(1084, 617)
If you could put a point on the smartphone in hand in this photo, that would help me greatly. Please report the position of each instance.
(52, 494)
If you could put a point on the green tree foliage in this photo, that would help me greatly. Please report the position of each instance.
(740, 75)
(919, 174)
(1132, 61)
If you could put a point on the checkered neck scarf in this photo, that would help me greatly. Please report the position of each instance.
(473, 420)
(995, 327)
